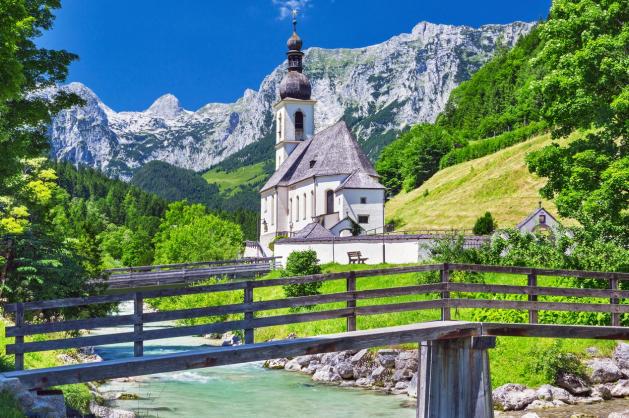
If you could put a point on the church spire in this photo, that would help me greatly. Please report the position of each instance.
(294, 48)
(295, 85)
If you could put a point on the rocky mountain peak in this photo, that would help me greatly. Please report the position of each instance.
(167, 107)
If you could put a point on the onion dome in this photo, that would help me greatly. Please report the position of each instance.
(295, 85)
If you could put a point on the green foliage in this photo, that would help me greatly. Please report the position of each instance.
(485, 225)
(9, 406)
(481, 148)
(302, 263)
(274, 240)
(189, 233)
(586, 85)
(413, 158)
(552, 360)
(200, 300)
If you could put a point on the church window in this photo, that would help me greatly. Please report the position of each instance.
(299, 125)
(297, 208)
(363, 219)
(363, 200)
(312, 163)
(312, 204)
(264, 205)
(273, 210)
(290, 209)
(329, 201)
(542, 219)
(305, 206)
(279, 126)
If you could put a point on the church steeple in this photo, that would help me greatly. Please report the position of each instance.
(294, 113)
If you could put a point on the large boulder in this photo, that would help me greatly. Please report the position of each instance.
(293, 366)
(513, 397)
(623, 414)
(621, 355)
(345, 370)
(326, 374)
(380, 375)
(412, 387)
(553, 393)
(361, 357)
(620, 389)
(386, 358)
(602, 391)
(574, 384)
(603, 370)
(276, 363)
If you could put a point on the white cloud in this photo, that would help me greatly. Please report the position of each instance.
(286, 7)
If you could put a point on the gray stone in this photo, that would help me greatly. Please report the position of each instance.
(312, 367)
(345, 370)
(574, 384)
(229, 338)
(540, 404)
(412, 387)
(621, 355)
(348, 383)
(403, 375)
(623, 414)
(364, 382)
(293, 366)
(361, 356)
(379, 375)
(277, 363)
(620, 389)
(304, 361)
(106, 412)
(326, 374)
(602, 391)
(387, 358)
(593, 352)
(588, 400)
(401, 386)
(513, 397)
(603, 370)
(530, 415)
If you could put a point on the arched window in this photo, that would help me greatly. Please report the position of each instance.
(272, 209)
(290, 210)
(299, 125)
(305, 206)
(329, 201)
(312, 205)
(297, 208)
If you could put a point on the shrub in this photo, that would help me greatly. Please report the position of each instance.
(277, 238)
(302, 263)
(485, 225)
(552, 360)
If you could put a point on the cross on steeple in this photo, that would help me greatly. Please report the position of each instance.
(294, 12)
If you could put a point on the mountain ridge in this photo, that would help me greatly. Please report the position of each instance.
(378, 89)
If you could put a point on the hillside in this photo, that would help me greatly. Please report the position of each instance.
(456, 196)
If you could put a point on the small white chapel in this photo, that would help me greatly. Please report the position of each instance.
(324, 185)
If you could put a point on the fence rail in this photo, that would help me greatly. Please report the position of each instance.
(442, 295)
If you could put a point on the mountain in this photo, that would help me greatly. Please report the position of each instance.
(378, 90)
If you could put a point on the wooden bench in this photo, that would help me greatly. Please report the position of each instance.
(355, 257)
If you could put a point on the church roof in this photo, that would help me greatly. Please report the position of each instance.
(533, 215)
(332, 151)
(313, 230)
(360, 180)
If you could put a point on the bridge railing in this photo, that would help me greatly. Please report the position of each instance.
(442, 295)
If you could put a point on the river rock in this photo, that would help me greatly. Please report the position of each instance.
(277, 363)
(401, 375)
(229, 339)
(620, 389)
(406, 360)
(623, 414)
(412, 387)
(304, 361)
(513, 397)
(603, 370)
(602, 391)
(360, 357)
(312, 367)
(345, 370)
(540, 404)
(326, 374)
(530, 415)
(106, 412)
(348, 383)
(379, 376)
(293, 366)
(588, 400)
(553, 393)
(387, 358)
(574, 384)
(621, 355)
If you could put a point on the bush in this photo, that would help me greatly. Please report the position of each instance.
(552, 360)
(302, 263)
(485, 225)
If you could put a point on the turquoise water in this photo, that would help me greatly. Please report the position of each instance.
(245, 390)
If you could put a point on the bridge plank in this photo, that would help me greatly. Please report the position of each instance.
(539, 306)
(536, 290)
(556, 331)
(210, 357)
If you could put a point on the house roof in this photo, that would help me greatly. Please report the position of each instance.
(533, 215)
(313, 230)
(332, 151)
(360, 180)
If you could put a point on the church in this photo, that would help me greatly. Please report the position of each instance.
(323, 185)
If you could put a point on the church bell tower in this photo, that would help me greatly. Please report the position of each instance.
(294, 113)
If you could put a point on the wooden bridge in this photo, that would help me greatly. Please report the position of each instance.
(454, 353)
(184, 274)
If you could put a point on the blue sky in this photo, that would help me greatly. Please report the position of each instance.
(133, 51)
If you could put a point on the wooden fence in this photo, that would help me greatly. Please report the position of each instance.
(173, 274)
(442, 298)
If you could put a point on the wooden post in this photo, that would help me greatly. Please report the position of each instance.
(445, 295)
(613, 284)
(532, 281)
(249, 337)
(454, 380)
(138, 326)
(19, 322)
(351, 287)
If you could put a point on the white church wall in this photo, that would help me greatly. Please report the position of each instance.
(395, 251)
(286, 110)
(324, 184)
(373, 208)
(302, 217)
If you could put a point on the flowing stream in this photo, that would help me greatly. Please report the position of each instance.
(245, 390)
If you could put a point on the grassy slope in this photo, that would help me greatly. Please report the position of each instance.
(228, 181)
(456, 196)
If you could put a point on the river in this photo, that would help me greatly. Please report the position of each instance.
(245, 390)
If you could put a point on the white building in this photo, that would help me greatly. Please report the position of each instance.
(320, 177)
(539, 221)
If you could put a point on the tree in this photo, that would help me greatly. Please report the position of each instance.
(485, 225)
(587, 86)
(188, 233)
(302, 263)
